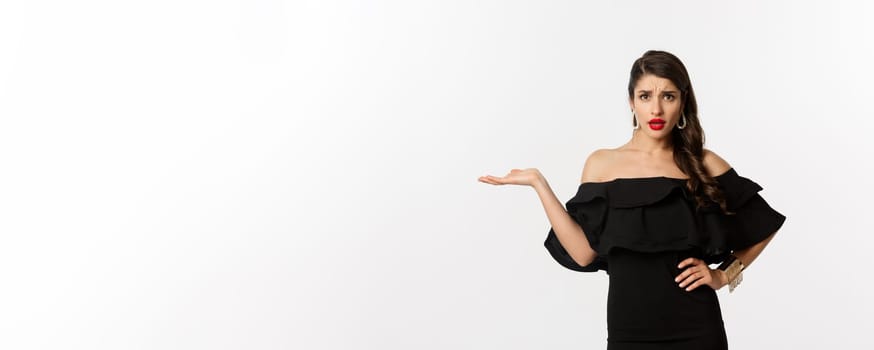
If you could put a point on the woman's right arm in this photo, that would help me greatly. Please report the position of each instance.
(568, 232)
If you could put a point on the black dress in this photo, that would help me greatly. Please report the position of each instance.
(642, 228)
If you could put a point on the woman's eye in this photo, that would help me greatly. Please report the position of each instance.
(669, 97)
(643, 97)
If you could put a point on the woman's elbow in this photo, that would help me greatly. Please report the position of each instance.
(586, 259)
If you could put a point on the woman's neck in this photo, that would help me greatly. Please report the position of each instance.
(640, 142)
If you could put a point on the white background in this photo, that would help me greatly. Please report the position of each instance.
(302, 174)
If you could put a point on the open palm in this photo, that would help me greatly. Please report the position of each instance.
(515, 177)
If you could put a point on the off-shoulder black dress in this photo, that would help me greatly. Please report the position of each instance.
(642, 228)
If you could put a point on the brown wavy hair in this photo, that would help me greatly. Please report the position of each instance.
(689, 142)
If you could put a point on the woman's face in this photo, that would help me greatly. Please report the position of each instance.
(657, 103)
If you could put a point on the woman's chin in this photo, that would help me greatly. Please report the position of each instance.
(657, 134)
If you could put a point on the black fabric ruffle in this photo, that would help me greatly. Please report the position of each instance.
(655, 214)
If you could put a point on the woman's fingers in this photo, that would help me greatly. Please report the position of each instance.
(690, 261)
(704, 280)
(689, 270)
(491, 180)
(515, 176)
(694, 275)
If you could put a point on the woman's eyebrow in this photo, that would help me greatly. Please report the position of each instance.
(663, 92)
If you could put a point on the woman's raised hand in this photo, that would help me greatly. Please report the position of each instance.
(528, 177)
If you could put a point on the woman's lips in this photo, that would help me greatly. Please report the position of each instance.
(656, 124)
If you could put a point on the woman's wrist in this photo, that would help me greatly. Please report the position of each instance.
(722, 277)
(539, 183)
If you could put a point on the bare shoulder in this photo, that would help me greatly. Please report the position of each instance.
(714, 164)
(597, 164)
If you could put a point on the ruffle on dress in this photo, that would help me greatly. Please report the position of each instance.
(654, 214)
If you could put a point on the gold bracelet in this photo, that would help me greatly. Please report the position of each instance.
(733, 268)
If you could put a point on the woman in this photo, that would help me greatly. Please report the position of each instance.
(654, 213)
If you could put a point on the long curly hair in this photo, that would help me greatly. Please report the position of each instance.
(688, 142)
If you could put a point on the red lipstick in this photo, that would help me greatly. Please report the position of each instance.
(656, 123)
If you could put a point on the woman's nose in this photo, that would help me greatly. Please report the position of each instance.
(657, 108)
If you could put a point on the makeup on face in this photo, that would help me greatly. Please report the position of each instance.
(656, 123)
(658, 99)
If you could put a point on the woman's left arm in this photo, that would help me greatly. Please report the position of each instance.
(698, 273)
(749, 254)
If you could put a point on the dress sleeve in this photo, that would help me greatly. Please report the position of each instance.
(753, 219)
(588, 209)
